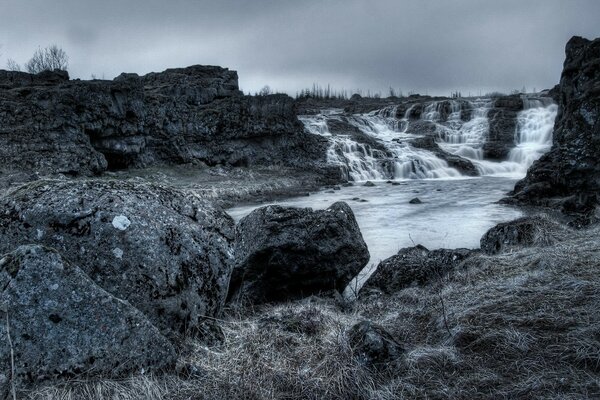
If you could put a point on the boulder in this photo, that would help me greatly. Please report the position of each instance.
(287, 253)
(568, 177)
(464, 166)
(57, 323)
(414, 265)
(502, 119)
(374, 346)
(521, 233)
(416, 200)
(166, 252)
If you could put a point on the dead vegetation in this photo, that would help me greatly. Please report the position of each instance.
(524, 324)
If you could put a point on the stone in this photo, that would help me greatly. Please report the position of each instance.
(416, 200)
(369, 184)
(521, 233)
(63, 325)
(288, 253)
(373, 345)
(463, 165)
(414, 265)
(568, 177)
(167, 252)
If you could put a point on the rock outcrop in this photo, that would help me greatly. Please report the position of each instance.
(51, 124)
(166, 252)
(502, 119)
(287, 253)
(414, 265)
(57, 323)
(459, 163)
(568, 177)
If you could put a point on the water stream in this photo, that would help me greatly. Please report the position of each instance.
(455, 210)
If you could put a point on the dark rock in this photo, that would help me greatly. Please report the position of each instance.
(459, 163)
(416, 200)
(166, 252)
(373, 345)
(521, 233)
(62, 325)
(369, 184)
(503, 122)
(287, 253)
(568, 177)
(341, 126)
(187, 115)
(414, 265)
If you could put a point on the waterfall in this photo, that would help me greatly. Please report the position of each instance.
(534, 132)
(359, 161)
(461, 128)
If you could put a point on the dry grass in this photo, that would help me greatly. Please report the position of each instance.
(521, 325)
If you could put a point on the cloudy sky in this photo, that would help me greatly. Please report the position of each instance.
(433, 46)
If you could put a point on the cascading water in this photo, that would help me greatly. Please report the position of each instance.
(534, 132)
(461, 128)
(357, 161)
(408, 162)
(360, 161)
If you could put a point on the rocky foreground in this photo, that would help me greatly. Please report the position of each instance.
(122, 277)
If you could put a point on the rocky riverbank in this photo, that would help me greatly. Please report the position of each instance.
(122, 277)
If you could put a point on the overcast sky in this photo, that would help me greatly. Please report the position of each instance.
(433, 46)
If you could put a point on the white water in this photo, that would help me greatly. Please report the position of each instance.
(534, 133)
(454, 213)
(456, 134)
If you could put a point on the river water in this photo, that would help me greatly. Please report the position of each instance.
(453, 212)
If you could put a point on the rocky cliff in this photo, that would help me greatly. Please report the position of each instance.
(50, 124)
(568, 177)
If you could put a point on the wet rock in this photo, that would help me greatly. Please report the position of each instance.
(521, 233)
(288, 253)
(369, 184)
(416, 200)
(373, 345)
(166, 252)
(414, 265)
(568, 177)
(502, 119)
(63, 325)
(459, 163)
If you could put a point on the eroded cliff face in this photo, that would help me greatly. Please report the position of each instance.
(568, 177)
(50, 124)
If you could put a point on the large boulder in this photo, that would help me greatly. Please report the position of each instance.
(521, 233)
(568, 177)
(55, 322)
(285, 253)
(414, 265)
(166, 252)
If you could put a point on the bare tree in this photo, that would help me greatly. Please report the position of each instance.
(47, 59)
(265, 91)
(12, 65)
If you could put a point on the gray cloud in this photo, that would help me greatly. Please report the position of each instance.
(427, 45)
